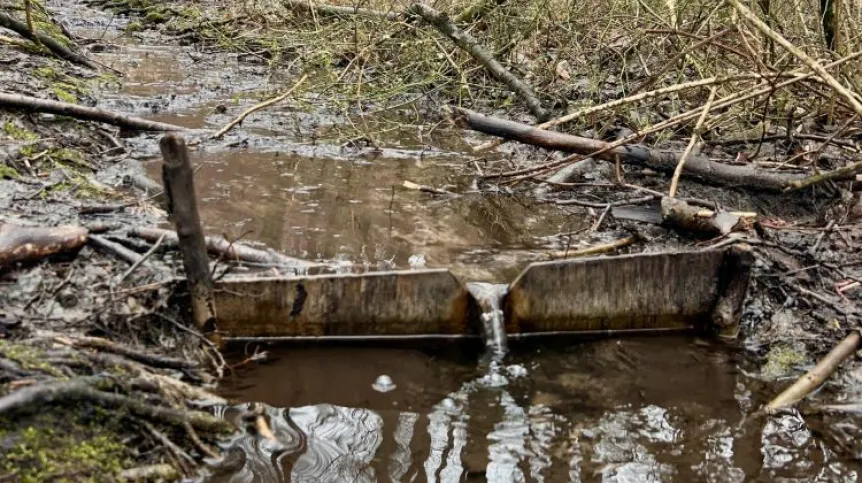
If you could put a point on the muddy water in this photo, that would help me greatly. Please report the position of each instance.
(643, 409)
(282, 179)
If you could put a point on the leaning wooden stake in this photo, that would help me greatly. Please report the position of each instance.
(817, 376)
(178, 178)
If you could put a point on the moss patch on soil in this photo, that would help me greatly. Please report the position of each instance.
(59, 446)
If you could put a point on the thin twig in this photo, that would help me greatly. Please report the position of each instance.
(257, 107)
(674, 182)
(143, 259)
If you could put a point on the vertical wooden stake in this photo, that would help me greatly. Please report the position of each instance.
(733, 285)
(178, 178)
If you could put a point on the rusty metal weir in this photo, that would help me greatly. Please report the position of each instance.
(641, 292)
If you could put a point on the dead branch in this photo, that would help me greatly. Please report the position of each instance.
(30, 244)
(727, 101)
(695, 135)
(680, 214)
(425, 189)
(816, 376)
(619, 102)
(34, 104)
(336, 10)
(835, 174)
(259, 106)
(221, 247)
(119, 250)
(142, 260)
(152, 360)
(637, 154)
(469, 44)
(595, 249)
(58, 49)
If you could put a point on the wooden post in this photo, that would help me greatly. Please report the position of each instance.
(178, 178)
(733, 284)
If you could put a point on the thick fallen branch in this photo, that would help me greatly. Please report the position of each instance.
(34, 104)
(816, 376)
(55, 47)
(30, 244)
(221, 247)
(637, 154)
(469, 44)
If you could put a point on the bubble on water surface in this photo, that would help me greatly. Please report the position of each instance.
(383, 384)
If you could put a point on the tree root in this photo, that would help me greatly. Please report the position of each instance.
(89, 388)
(133, 354)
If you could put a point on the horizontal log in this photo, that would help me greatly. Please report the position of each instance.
(699, 167)
(34, 104)
(221, 247)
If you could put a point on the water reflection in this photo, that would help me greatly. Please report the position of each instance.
(315, 203)
(649, 414)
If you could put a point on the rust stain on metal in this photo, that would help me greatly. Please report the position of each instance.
(643, 291)
(385, 303)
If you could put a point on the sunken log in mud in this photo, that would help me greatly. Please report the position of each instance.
(21, 244)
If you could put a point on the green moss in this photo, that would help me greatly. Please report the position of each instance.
(65, 87)
(134, 27)
(156, 15)
(29, 358)
(781, 360)
(69, 156)
(29, 150)
(43, 454)
(64, 95)
(51, 30)
(18, 133)
(7, 172)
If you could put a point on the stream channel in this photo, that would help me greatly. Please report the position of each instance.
(634, 409)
